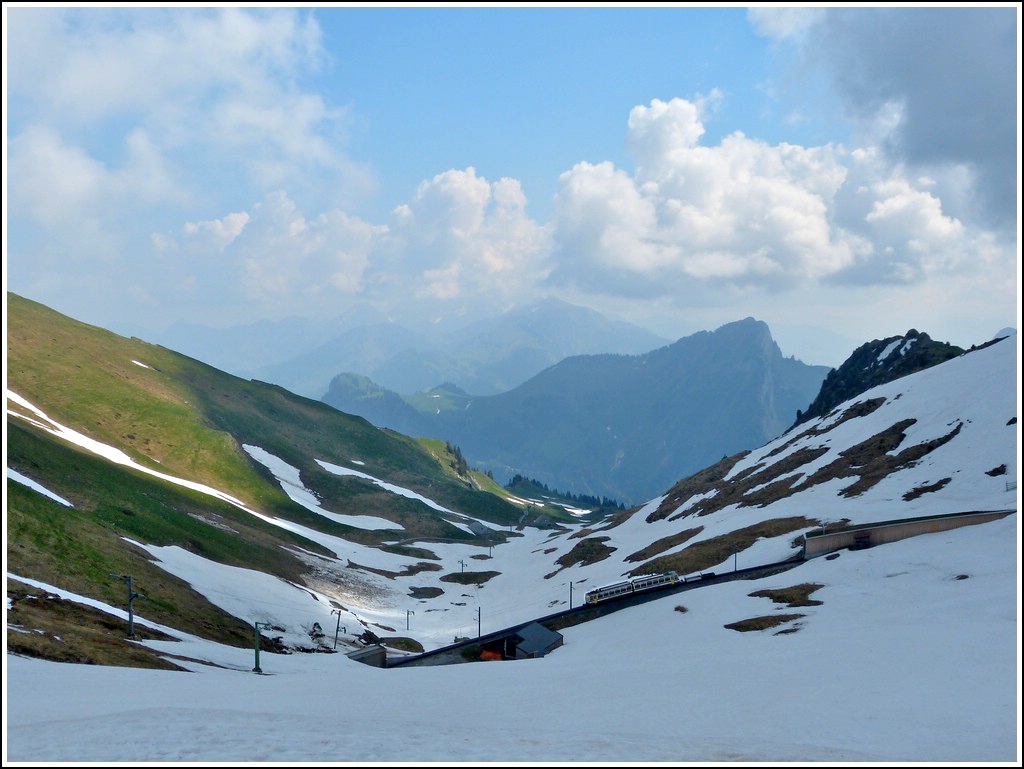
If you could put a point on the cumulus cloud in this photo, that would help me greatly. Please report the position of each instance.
(745, 214)
(153, 61)
(126, 123)
(283, 262)
(941, 82)
(462, 236)
(218, 233)
(211, 93)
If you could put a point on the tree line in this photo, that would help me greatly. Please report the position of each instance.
(581, 500)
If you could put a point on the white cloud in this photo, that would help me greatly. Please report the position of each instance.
(782, 23)
(209, 93)
(126, 124)
(934, 86)
(61, 185)
(55, 179)
(747, 214)
(744, 210)
(150, 61)
(294, 262)
(463, 236)
(899, 208)
(218, 232)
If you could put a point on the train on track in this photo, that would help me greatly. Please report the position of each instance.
(640, 584)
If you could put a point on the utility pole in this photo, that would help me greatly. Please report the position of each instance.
(570, 593)
(338, 612)
(463, 563)
(478, 623)
(734, 561)
(407, 613)
(256, 644)
(132, 595)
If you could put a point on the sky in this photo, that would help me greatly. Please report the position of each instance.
(912, 656)
(843, 173)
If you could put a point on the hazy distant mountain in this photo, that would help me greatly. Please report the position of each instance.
(127, 458)
(617, 426)
(484, 358)
(251, 349)
(378, 405)
(362, 349)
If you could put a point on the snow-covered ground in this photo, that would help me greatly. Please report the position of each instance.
(913, 656)
(910, 658)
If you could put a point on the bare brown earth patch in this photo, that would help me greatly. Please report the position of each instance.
(763, 623)
(408, 571)
(411, 552)
(702, 482)
(663, 544)
(737, 490)
(41, 624)
(797, 595)
(866, 463)
(425, 592)
(859, 409)
(917, 491)
(586, 552)
(709, 552)
(469, 577)
(871, 461)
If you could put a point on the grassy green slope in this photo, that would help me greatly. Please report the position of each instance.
(78, 548)
(180, 416)
(183, 418)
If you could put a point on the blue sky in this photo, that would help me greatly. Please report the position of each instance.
(842, 173)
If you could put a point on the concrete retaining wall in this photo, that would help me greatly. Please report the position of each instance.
(892, 531)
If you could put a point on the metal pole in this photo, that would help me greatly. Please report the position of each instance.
(407, 613)
(131, 615)
(478, 623)
(338, 612)
(256, 644)
(570, 593)
(132, 595)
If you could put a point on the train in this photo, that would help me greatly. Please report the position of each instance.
(640, 584)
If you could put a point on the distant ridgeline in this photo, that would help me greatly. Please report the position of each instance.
(615, 426)
(528, 487)
(876, 363)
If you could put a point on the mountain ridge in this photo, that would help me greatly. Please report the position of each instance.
(364, 543)
(485, 356)
(615, 425)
